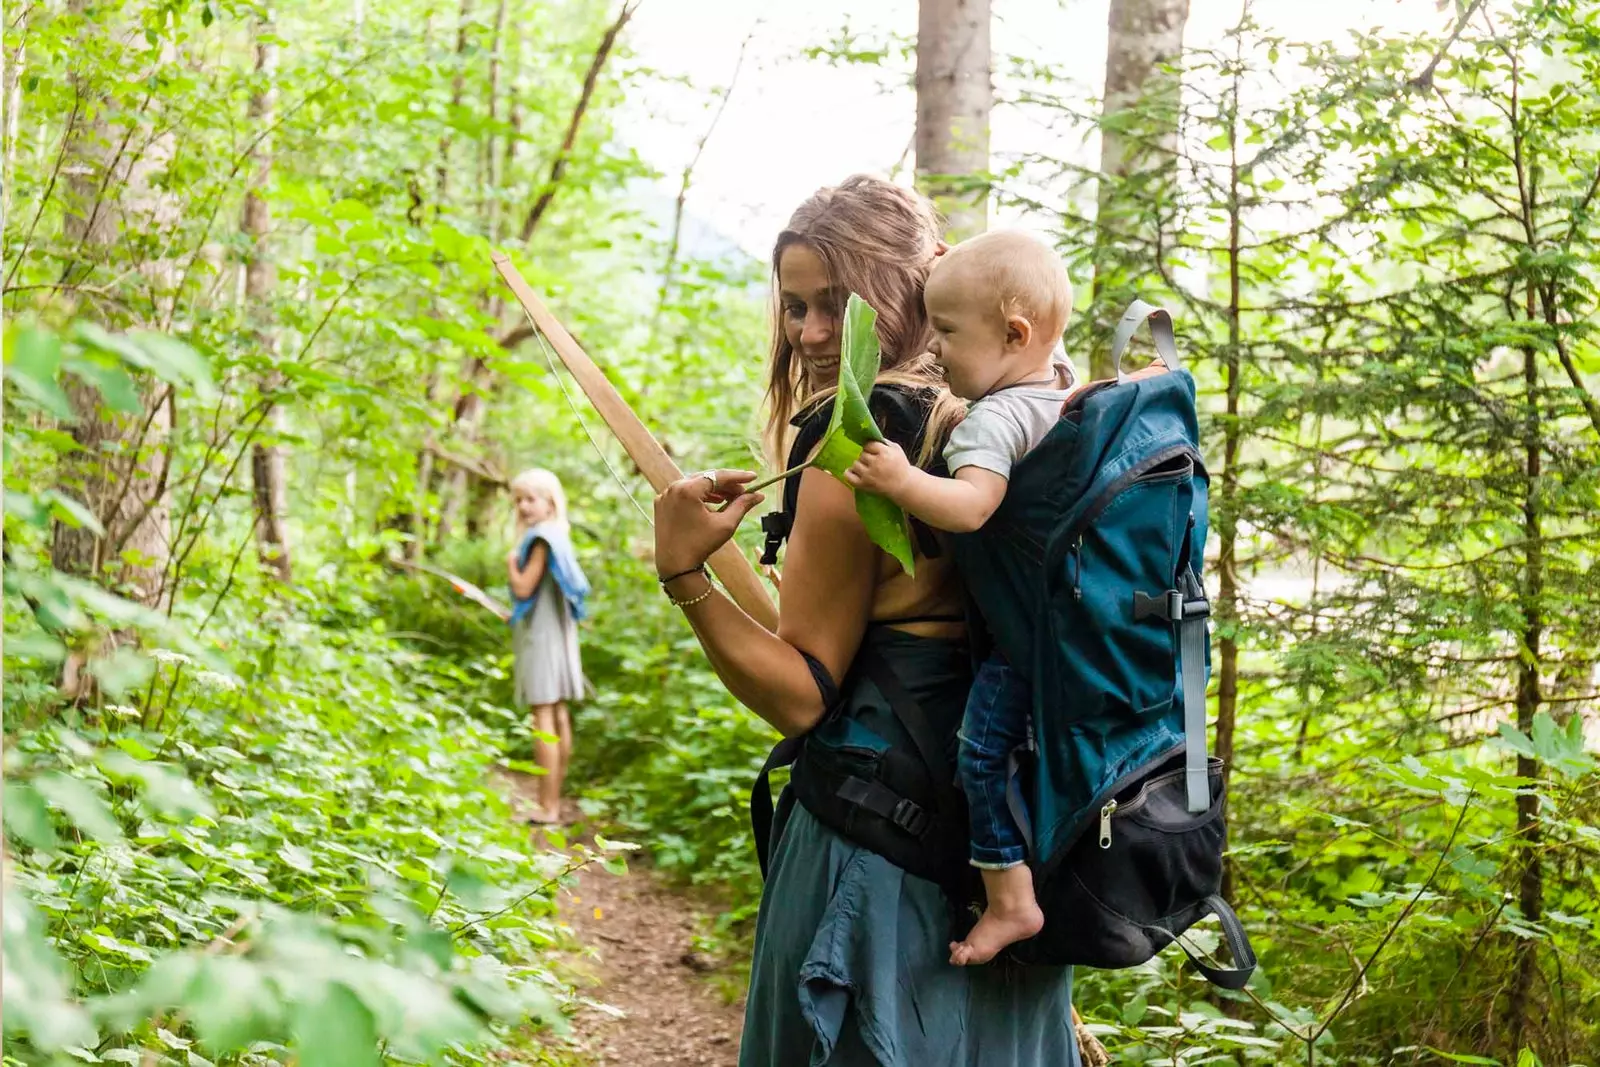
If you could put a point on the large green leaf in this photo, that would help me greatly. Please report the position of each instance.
(32, 366)
(852, 427)
(39, 1001)
(27, 819)
(334, 1029)
(80, 803)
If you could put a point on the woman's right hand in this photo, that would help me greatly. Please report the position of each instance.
(687, 531)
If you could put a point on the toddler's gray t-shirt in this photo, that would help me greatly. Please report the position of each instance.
(1003, 427)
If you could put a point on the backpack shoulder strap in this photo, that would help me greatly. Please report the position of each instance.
(812, 423)
(783, 754)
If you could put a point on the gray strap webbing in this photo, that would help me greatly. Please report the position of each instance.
(1014, 801)
(1160, 330)
(1192, 651)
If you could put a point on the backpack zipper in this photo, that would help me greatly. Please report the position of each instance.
(1083, 823)
(1140, 799)
(1112, 491)
(1127, 478)
(1106, 812)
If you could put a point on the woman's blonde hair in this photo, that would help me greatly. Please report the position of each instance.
(538, 482)
(878, 240)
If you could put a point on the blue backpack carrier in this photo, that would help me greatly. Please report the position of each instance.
(1087, 580)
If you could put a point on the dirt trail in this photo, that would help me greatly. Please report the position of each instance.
(639, 959)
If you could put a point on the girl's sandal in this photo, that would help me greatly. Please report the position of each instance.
(538, 817)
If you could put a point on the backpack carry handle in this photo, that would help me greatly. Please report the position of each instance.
(1160, 329)
(1244, 955)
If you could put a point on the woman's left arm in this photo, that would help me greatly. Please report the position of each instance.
(524, 580)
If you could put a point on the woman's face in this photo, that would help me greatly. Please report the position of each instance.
(811, 314)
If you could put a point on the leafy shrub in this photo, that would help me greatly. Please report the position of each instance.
(271, 829)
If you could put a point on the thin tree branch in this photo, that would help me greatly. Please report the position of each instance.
(515, 336)
(591, 79)
(1424, 78)
(1361, 977)
(1590, 403)
(675, 242)
(67, 134)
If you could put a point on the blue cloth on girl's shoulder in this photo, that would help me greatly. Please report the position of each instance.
(562, 564)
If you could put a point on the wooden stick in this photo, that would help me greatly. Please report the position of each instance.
(461, 585)
(729, 564)
(1090, 1050)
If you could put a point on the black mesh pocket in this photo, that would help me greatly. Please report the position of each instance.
(1138, 875)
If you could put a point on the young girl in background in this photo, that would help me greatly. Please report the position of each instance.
(548, 591)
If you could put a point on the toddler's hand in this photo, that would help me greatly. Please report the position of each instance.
(882, 468)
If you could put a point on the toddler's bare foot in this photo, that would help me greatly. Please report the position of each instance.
(995, 931)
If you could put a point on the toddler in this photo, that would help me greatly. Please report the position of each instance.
(998, 304)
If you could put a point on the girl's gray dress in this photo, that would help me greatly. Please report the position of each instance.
(547, 666)
(851, 965)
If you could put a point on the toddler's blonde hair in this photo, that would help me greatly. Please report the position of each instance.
(538, 482)
(1022, 274)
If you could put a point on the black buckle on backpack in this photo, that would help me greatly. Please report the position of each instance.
(1166, 605)
(909, 816)
(1170, 606)
(776, 526)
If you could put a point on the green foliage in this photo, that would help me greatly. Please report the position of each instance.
(242, 849)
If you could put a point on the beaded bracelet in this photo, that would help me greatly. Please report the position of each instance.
(692, 600)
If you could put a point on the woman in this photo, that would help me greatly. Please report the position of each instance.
(548, 590)
(851, 960)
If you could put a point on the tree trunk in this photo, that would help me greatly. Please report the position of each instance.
(267, 465)
(954, 97)
(120, 471)
(508, 154)
(416, 521)
(469, 404)
(491, 179)
(1138, 155)
(457, 87)
(483, 511)
(1530, 875)
(1228, 526)
(591, 79)
(466, 417)
(11, 93)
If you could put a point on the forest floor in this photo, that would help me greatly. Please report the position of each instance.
(653, 995)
